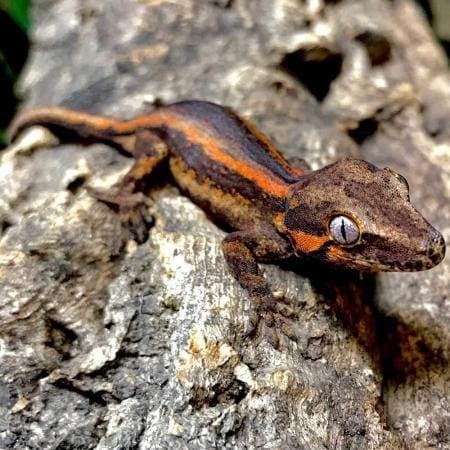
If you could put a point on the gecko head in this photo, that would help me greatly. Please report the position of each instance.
(354, 214)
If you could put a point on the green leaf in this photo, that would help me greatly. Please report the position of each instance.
(2, 137)
(18, 11)
(6, 68)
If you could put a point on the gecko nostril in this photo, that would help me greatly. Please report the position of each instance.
(436, 247)
(437, 238)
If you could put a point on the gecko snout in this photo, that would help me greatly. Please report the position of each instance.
(435, 248)
(430, 252)
(427, 253)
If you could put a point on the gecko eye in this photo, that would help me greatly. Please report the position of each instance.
(344, 230)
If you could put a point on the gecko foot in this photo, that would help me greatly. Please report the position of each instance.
(271, 325)
(132, 209)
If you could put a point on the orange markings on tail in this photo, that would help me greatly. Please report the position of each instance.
(64, 117)
(212, 147)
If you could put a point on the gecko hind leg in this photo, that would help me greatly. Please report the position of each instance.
(243, 249)
(126, 197)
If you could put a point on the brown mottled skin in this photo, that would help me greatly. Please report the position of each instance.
(277, 210)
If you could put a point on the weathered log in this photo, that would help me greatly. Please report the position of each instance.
(106, 344)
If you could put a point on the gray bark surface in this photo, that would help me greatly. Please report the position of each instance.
(108, 345)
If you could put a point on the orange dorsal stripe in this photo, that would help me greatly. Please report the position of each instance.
(212, 147)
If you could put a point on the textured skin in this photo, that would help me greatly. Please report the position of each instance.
(239, 178)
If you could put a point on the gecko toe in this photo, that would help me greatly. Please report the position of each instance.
(270, 334)
(131, 207)
(262, 325)
(271, 326)
(253, 324)
(137, 222)
(285, 310)
(287, 327)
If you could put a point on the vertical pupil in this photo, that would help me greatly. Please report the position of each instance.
(343, 232)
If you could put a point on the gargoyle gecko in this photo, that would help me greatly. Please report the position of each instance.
(349, 213)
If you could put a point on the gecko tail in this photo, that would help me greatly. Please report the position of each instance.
(72, 126)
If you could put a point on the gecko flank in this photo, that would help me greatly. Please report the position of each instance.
(349, 213)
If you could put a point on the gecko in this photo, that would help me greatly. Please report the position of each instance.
(350, 213)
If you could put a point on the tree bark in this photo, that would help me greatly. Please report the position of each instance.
(107, 344)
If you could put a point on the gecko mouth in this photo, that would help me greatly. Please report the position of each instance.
(368, 265)
(378, 254)
(426, 259)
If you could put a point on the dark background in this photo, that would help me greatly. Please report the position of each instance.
(14, 46)
(14, 24)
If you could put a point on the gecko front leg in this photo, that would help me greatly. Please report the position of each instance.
(243, 250)
(127, 197)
